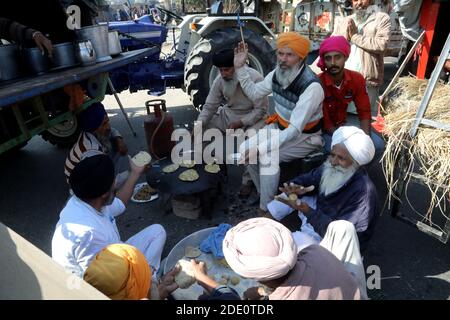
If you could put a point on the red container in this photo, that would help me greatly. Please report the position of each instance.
(158, 128)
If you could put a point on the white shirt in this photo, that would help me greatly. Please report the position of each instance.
(308, 104)
(82, 232)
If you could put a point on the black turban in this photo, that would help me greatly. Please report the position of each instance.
(223, 58)
(92, 177)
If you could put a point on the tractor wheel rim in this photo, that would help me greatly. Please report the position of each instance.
(64, 129)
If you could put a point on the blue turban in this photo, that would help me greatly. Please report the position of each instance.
(91, 118)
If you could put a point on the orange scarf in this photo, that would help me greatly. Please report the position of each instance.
(276, 118)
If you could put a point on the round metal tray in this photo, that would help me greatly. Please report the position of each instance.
(215, 270)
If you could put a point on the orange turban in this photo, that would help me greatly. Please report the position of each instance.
(121, 272)
(299, 44)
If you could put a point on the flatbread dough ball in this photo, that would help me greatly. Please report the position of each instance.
(192, 252)
(223, 281)
(226, 276)
(142, 159)
(293, 197)
(235, 280)
(185, 278)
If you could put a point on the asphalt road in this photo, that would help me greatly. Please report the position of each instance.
(33, 191)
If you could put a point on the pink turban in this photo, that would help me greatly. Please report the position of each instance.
(335, 43)
(260, 249)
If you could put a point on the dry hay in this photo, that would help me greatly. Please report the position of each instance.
(430, 148)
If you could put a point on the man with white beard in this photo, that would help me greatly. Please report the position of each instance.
(294, 130)
(338, 190)
(227, 107)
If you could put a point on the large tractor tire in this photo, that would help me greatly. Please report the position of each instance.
(199, 73)
(63, 135)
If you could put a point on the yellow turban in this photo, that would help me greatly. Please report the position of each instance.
(121, 272)
(299, 44)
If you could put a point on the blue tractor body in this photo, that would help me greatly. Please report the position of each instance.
(151, 73)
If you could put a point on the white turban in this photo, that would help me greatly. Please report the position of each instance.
(358, 144)
(260, 248)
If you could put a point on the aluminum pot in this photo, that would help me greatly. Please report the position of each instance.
(64, 56)
(36, 62)
(98, 35)
(85, 52)
(9, 62)
(114, 43)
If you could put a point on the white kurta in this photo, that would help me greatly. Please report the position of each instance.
(82, 232)
(293, 143)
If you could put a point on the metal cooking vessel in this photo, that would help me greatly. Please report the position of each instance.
(85, 52)
(177, 251)
(9, 62)
(64, 56)
(36, 62)
(98, 35)
(114, 43)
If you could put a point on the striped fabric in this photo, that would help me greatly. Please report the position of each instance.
(85, 143)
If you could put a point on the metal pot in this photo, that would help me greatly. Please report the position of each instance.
(36, 62)
(114, 43)
(98, 35)
(85, 52)
(9, 62)
(64, 56)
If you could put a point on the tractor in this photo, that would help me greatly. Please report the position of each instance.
(196, 38)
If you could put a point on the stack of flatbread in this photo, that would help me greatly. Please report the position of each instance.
(170, 168)
(189, 175)
(142, 159)
(212, 168)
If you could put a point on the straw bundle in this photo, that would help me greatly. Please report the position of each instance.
(430, 149)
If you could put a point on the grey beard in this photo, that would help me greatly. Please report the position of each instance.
(333, 178)
(284, 75)
(229, 87)
(105, 141)
(361, 16)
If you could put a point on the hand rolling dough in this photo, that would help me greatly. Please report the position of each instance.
(185, 278)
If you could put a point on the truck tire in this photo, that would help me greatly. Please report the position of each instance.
(199, 72)
(64, 134)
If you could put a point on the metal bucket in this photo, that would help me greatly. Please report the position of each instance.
(37, 63)
(64, 56)
(98, 35)
(114, 43)
(9, 62)
(85, 52)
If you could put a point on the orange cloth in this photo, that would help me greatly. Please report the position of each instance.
(276, 118)
(76, 95)
(121, 272)
(299, 44)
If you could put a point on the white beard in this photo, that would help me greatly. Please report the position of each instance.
(229, 87)
(333, 178)
(284, 75)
